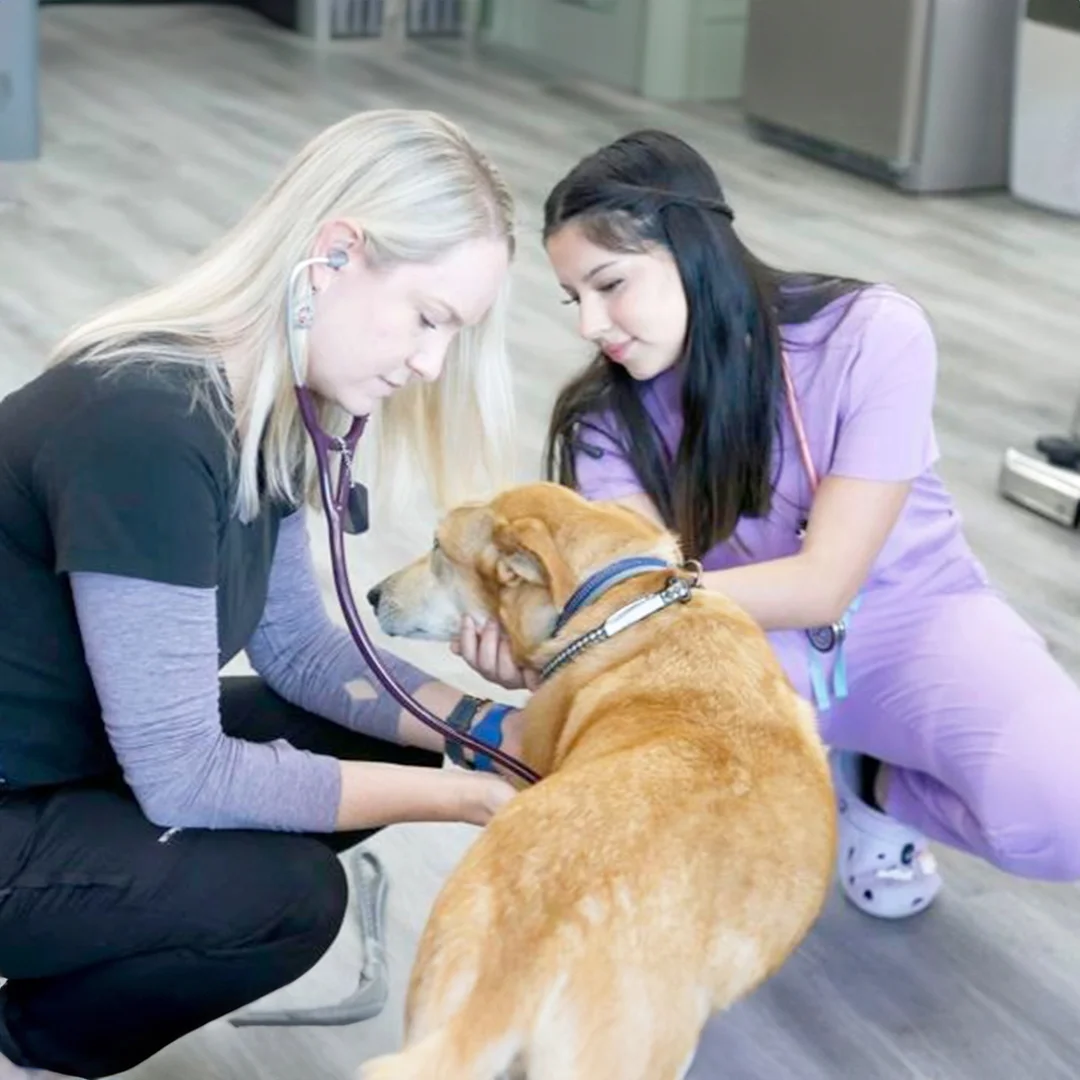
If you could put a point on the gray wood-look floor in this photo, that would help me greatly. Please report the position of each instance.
(163, 123)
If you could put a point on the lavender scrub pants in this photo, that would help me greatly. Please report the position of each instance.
(978, 722)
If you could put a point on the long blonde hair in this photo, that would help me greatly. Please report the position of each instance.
(417, 187)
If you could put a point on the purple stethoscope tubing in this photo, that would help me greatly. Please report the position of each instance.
(335, 505)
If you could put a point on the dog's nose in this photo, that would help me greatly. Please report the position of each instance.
(373, 596)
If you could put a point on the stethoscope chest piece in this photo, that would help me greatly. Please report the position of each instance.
(826, 638)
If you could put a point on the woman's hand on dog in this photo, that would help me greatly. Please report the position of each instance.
(483, 795)
(487, 652)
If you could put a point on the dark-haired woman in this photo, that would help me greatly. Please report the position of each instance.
(782, 424)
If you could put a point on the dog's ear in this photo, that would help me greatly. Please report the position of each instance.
(528, 551)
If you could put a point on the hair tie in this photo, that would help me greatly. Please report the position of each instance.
(716, 206)
(635, 193)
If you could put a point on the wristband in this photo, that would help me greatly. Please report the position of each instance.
(460, 719)
(490, 732)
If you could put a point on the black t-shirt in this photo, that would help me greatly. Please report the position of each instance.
(114, 470)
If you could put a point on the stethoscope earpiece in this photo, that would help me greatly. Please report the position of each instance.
(300, 315)
(337, 258)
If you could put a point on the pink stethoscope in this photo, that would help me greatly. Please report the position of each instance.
(822, 639)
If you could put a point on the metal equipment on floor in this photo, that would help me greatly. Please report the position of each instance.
(1048, 481)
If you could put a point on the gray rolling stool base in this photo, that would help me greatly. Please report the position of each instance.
(369, 997)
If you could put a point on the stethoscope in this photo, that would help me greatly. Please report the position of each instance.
(345, 507)
(822, 639)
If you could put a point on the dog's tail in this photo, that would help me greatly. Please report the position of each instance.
(440, 1056)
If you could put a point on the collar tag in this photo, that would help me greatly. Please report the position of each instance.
(633, 612)
(677, 591)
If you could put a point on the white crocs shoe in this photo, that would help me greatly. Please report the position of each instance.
(886, 869)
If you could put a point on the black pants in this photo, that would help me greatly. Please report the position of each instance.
(115, 943)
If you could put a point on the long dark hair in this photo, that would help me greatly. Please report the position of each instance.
(651, 188)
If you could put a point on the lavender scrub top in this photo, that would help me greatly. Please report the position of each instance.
(864, 382)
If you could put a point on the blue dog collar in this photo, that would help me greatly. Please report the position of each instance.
(597, 584)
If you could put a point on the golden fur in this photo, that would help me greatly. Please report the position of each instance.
(679, 847)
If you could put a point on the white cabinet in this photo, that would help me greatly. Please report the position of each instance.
(694, 50)
(1045, 145)
(667, 50)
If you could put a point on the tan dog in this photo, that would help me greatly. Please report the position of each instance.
(678, 849)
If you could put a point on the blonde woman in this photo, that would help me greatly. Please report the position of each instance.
(167, 837)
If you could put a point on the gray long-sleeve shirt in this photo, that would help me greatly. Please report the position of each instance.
(152, 650)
